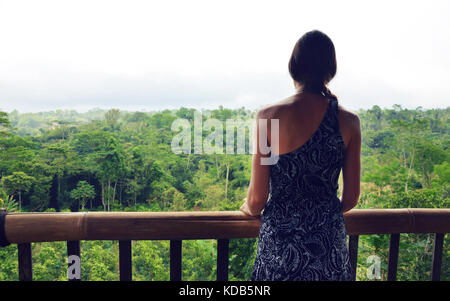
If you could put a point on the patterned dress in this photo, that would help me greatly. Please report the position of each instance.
(303, 234)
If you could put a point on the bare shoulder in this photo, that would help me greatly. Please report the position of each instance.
(274, 110)
(350, 119)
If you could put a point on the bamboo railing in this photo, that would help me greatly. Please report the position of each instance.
(24, 228)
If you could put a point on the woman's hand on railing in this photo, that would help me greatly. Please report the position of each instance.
(244, 208)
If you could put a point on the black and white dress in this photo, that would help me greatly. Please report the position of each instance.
(303, 234)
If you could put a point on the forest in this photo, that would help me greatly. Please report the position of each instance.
(113, 160)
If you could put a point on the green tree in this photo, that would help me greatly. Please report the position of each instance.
(175, 198)
(5, 125)
(83, 193)
(112, 118)
(150, 260)
(104, 157)
(19, 182)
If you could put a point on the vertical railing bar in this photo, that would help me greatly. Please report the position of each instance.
(125, 260)
(393, 256)
(222, 259)
(25, 262)
(73, 248)
(175, 260)
(353, 253)
(3, 240)
(437, 256)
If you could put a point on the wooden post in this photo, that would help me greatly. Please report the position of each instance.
(73, 248)
(353, 253)
(3, 240)
(222, 259)
(125, 260)
(393, 256)
(437, 257)
(25, 262)
(175, 260)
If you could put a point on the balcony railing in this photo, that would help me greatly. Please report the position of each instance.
(24, 228)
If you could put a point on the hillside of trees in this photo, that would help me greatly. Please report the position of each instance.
(122, 161)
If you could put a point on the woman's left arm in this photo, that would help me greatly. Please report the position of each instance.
(258, 189)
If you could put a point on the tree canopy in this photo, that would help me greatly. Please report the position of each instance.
(122, 161)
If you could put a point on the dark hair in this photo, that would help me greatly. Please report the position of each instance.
(313, 62)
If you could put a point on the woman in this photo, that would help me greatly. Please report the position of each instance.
(303, 234)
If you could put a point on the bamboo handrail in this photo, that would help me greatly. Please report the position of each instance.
(40, 227)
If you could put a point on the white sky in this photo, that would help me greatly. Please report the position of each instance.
(146, 55)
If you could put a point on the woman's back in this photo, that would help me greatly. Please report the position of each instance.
(300, 117)
(303, 233)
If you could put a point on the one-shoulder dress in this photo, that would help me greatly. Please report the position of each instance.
(303, 235)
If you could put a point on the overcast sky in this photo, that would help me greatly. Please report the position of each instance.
(151, 55)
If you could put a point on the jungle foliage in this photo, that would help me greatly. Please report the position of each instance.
(122, 161)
